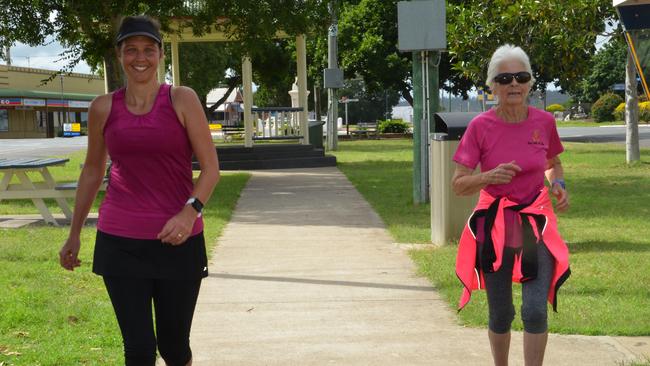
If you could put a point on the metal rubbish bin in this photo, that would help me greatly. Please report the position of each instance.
(449, 212)
(316, 133)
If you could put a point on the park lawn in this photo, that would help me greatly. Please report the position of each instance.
(49, 316)
(588, 123)
(606, 230)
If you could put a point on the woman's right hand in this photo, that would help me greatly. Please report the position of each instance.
(69, 254)
(502, 174)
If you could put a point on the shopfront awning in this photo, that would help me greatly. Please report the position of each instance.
(18, 93)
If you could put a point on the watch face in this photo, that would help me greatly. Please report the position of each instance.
(196, 204)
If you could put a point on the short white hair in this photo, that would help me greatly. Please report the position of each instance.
(507, 52)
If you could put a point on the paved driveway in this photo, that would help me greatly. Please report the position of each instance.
(18, 148)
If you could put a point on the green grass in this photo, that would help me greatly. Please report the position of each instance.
(383, 172)
(645, 361)
(606, 230)
(49, 316)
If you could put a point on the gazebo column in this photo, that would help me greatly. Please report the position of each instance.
(301, 55)
(176, 75)
(161, 66)
(247, 81)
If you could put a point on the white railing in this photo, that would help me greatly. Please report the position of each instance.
(276, 123)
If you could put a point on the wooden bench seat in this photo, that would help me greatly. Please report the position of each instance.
(72, 186)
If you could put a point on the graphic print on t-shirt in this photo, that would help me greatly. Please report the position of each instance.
(536, 139)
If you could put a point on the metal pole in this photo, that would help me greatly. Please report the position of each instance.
(65, 115)
(424, 136)
(332, 115)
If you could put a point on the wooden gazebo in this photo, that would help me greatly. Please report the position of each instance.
(186, 35)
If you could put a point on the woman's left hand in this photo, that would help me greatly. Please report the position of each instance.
(178, 228)
(561, 197)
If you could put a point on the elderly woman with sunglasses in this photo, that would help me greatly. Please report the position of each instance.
(512, 234)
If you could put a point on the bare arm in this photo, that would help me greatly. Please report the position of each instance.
(553, 173)
(190, 112)
(187, 103)
(465, 183)
(90, 179)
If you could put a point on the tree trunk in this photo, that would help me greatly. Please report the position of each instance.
(112, 71)
(203, 98)
(632, 152)
(232, 83)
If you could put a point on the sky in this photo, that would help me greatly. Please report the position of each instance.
(42, 57)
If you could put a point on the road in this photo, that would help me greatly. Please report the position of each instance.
(614, 134)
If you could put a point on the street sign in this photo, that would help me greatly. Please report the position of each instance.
(348, 100)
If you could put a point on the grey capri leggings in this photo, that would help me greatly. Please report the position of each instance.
(534, 293)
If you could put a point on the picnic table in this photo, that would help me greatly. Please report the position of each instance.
(36, 191)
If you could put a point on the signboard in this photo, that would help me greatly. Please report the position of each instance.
(10, 101)
(34, 102)
(57, 103)
(421, 25)
(71, 129)
(78, 104)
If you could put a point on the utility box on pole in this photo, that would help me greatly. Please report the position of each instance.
(422, 30)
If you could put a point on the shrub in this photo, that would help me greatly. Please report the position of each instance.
(644, 112)
(604, 107)
(619, 112)
(555, 108)
(393, 126)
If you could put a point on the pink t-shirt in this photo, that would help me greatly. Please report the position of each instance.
(491, 141)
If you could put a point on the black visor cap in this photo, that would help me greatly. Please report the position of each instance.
(137, 27)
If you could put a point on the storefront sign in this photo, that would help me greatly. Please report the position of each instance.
(71, 129)
(57, 103)
(34, 102)
(11, 101)
(78, 104)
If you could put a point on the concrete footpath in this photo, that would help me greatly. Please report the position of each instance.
(306, 274)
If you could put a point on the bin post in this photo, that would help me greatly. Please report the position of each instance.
(316, 133)
(449, 212)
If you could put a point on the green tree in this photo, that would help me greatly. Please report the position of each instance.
(203, 67)
(87, 28)
(558, 35)
(607, 69)
(274, 71)
(372, 105)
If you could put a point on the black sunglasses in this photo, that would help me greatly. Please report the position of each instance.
(506, 77)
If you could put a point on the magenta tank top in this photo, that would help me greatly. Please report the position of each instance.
(151, 172)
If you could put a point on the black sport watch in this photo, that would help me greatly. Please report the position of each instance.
(196, 205)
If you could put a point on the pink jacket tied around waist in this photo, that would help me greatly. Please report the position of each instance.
(539, 224)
